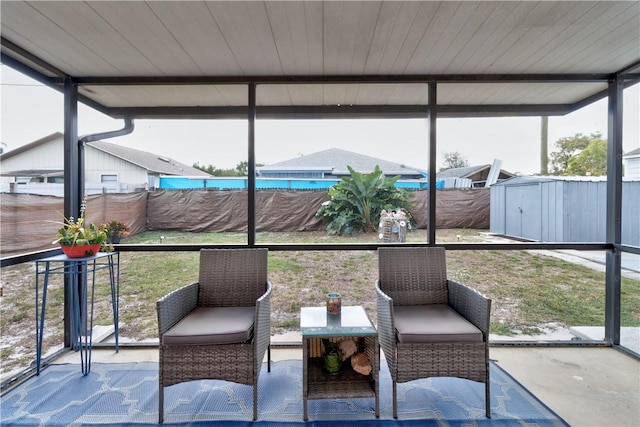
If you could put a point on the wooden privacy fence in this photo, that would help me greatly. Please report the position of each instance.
(29, 222)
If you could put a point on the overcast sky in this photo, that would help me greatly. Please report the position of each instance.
(30, 111)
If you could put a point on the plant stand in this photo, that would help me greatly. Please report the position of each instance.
(77, 272)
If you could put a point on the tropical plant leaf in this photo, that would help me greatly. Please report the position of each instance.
(356, 202)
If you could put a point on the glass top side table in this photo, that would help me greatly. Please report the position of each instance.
(352, 322)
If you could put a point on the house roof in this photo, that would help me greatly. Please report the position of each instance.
(336, 160)
(633, 153)
(33, 172)
(531, 179)
(151, 162)
(464, 172)
(468, 172)
(176, 58)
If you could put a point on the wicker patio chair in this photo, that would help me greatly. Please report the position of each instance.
(429, 326)
(219, 327)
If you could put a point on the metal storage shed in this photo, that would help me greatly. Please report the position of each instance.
(561, 209)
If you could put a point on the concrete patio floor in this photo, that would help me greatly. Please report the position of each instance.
(586, 386)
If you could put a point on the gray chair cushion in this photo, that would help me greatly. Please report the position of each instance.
(433, 323)
(212, 325)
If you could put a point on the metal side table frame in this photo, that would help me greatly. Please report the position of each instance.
(78, 270)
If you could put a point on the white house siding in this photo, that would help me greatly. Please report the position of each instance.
(632, 166)
(46, 156)
(98, 163)
(49, 156)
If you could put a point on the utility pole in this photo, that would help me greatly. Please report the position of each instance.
(544, 146)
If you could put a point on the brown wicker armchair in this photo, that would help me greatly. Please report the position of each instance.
(219, 327)
(429, 326)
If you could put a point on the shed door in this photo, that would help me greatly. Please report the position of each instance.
(522, 211)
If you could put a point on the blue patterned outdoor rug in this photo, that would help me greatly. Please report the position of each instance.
(127, 394)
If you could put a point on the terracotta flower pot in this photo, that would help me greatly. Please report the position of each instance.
(75, 251)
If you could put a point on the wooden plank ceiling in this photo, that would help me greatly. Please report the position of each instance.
(158, 53)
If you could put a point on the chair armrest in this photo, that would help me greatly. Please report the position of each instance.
(471, 304)
(175, 306)
(386, 328)
(262, 328)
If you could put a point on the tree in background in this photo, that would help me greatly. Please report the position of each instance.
(453, 160)
(580, 155)
(591, 161)
(355, 203)
(241, 169)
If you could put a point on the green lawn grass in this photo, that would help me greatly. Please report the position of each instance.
(529, 291)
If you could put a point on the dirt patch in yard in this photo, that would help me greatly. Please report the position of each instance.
(299, 279)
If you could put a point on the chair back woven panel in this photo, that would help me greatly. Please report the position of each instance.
(413, 276)
(232, 277)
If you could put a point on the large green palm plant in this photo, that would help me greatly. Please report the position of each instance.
(355, 203)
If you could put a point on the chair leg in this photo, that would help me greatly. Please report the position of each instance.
(269, 358)
(160, 404)
(395, 399)
(255, 400)
(487, 398)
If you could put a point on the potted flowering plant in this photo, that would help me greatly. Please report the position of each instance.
(116, 230)
(78, 239)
